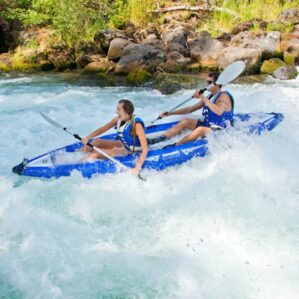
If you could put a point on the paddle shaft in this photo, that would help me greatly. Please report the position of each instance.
(103, 153)
(178, 106)
(56, 124)
(229, 74)
(97, 149)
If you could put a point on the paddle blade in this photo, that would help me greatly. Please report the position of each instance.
(51, 121)
(231, 72)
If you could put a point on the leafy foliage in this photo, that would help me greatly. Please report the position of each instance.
(247, 10)
(73, 19)
(76, 20)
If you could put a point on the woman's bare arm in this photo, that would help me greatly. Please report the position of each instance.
(100, 130)
(141, 135)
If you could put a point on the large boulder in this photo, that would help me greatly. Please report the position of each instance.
(206, 50)
(62, 57)
(102, 66)
(136, 56)
(267, 42)
(105, 36)
(116, 48)
(285, 73)
(174, 38)
(85, 53)
(174, 34)
(251, 57)
(290, 43)
(176, 63)
(152, 39)
(138, 77)
(271, 65)
(290, 15)
(170, 83)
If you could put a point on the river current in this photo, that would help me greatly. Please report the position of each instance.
(224, 226)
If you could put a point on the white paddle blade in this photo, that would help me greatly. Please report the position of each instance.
(51, 121)
(231, 72)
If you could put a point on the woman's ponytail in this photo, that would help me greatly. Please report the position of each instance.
(129, 108)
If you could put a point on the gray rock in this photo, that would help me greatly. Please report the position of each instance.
(85, 51)
(290, 43)
(104, 37)
(290, 15)
(251, 57)
(136, 56)
(99, 66)
(152, 39)
(206, 50)
(267, 42)
(62, 57)
(170, 83)
(286, 73)
(176, 47)
(116, 48)
(174, 34)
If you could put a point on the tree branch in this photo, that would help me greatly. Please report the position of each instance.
(193, 8)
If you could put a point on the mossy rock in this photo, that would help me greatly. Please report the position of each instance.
(169, 83)
(289, 59)
(98, 67)
(271, 65)
(138, 77)
(109, 80)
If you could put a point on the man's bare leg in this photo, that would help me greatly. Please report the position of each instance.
(199, 132)
(186, 123)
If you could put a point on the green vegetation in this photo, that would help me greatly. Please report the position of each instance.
(74, 20)
(247, 10)
(77, 20)
(289, 59)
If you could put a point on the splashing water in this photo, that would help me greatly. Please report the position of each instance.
(223, 226)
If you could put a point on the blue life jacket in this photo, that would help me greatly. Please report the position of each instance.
(212, 119)
(124, 134)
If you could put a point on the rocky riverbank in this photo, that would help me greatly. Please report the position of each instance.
(161, 52)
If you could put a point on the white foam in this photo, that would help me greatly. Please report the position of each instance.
(223, 226)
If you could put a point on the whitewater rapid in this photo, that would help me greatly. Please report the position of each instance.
(223, 226)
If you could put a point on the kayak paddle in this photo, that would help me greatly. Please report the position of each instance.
(229, 74)
(59, 126)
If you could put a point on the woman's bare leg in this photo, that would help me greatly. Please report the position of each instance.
(102, 143)
(113, 152)
(199, 132)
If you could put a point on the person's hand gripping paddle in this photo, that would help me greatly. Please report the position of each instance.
(229, 74)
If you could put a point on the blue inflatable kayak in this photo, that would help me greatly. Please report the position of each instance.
(64, 161)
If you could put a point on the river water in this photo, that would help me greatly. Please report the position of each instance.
(223, 226)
